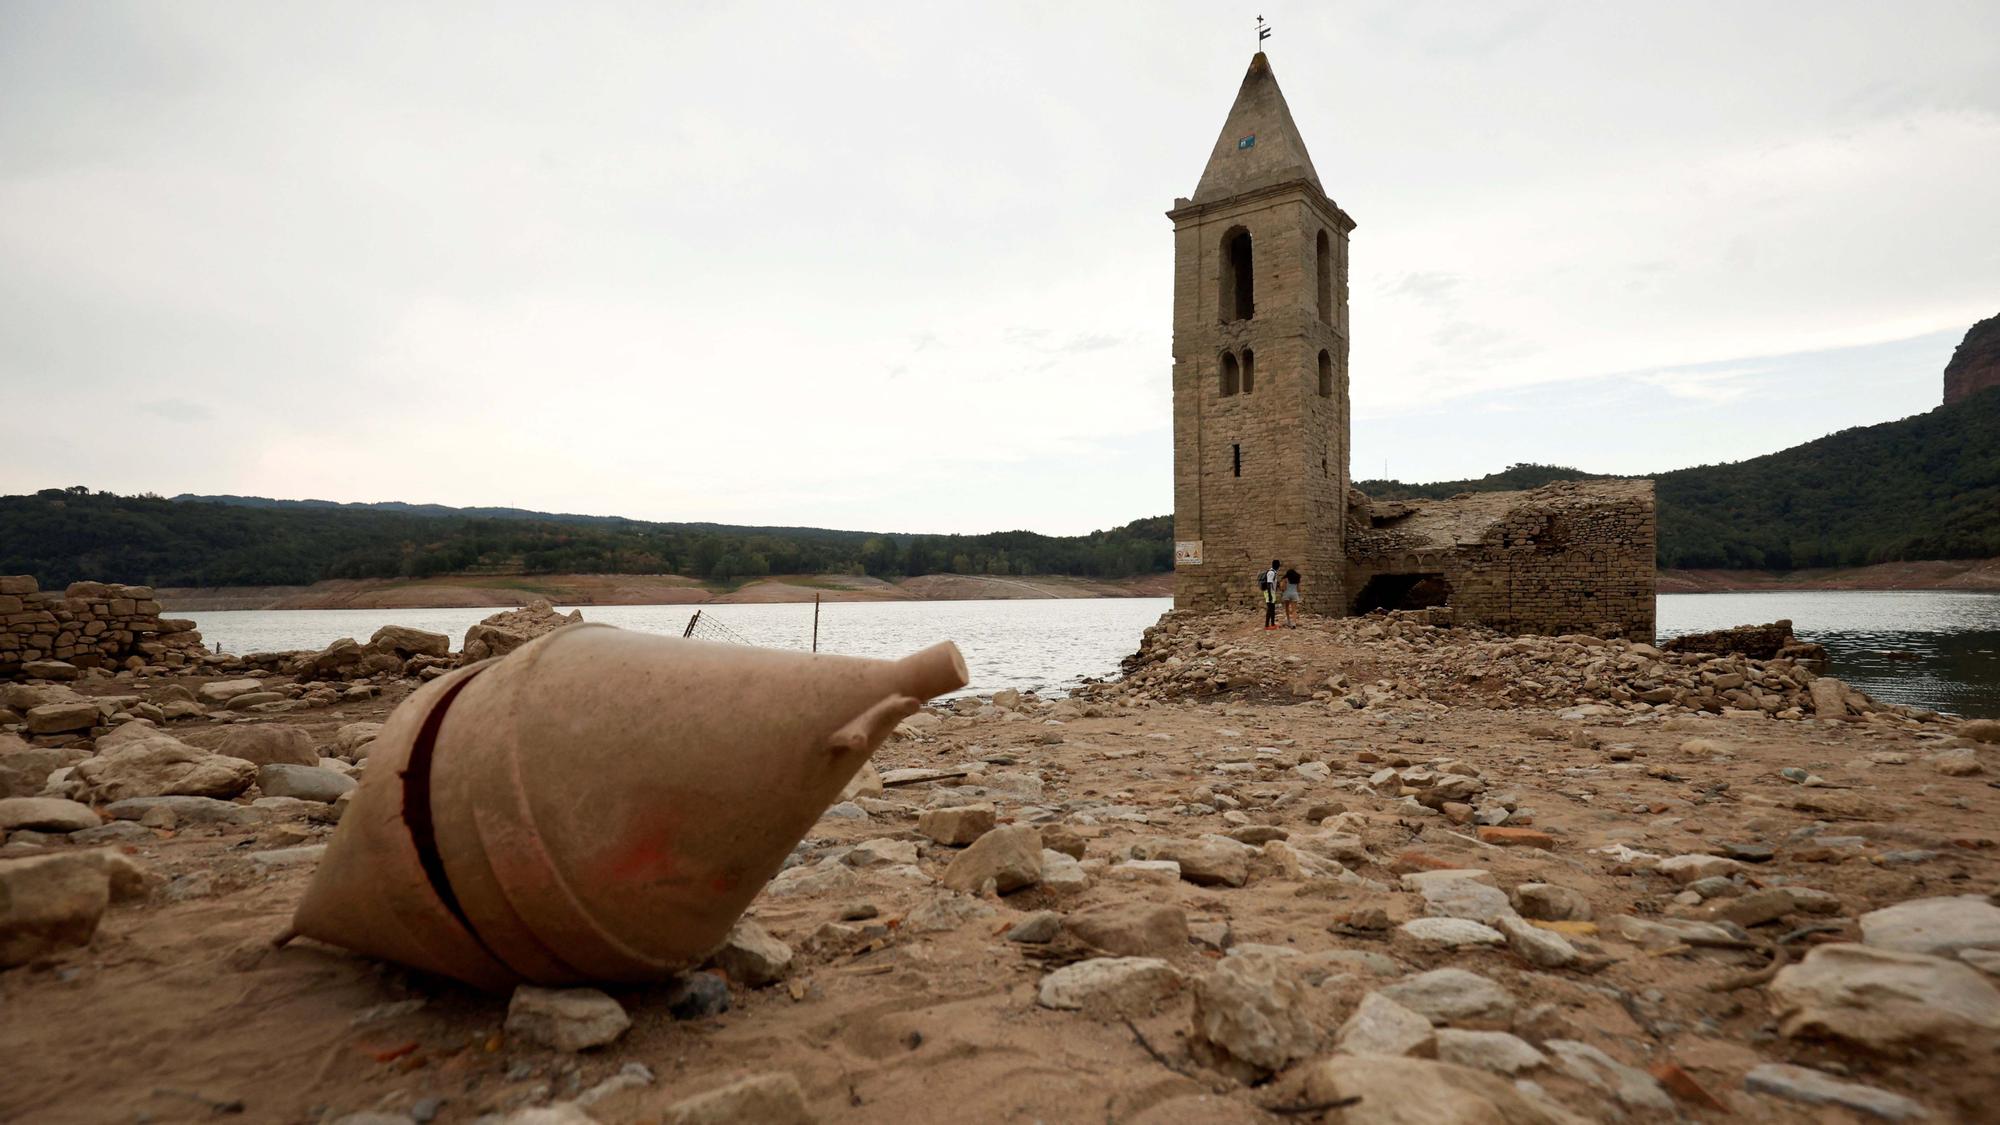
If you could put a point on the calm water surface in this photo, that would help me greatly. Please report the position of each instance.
(1950, 642)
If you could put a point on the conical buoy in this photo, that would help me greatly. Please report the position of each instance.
(598, 805)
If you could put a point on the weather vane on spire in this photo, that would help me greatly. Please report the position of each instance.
(1263, 33)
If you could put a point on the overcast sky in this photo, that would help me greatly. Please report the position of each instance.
(905, 267)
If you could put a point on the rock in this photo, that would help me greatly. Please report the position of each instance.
(184, 810)
(1549, 903)
(306, 783)
(1959, 761)
(1883, 999)
(407, 642)
(945, 911)
(1512, 837)
(1131, 929)
(956, 826)
(59, 718)
(1451, 933)
(352, 737)
(567, 1019)
(1829, 697)
(1062, 874)
(881, 852)
(1812, 1087)
(751, 956)
(1248, 1015)
(772, 1098)
(49, 903)
(1463, 898)
(866, 782)
(1539, 947)
(1407, 1091)
(1162, 872)
(506, 631)
(1010, 856)
(1496, 1051)
(50, 670)
(263, 744)
(1685, 869)
(1380, 1026)
(1453, 996)
(1938, 926)
(1039, 928)
(116, 832)
(160, 765)
(697, 996)
(1980, 730)
(1659, 933)
(46, 814)
(289, 857)
(1206, 861)
(1754, 909)
(218, 693)
(1594, 1068)
(1120, 986)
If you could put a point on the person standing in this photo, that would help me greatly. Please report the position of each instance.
(1268, 583)
(1291, 598)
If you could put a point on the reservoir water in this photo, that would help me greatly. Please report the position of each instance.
(1935, 649)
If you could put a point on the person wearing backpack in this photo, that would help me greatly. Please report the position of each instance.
(1267, 582)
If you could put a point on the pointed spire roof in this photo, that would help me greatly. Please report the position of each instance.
(1259, 145)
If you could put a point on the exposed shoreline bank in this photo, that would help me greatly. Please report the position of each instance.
(467, 591)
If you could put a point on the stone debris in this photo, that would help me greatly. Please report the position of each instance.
(46, 814)
(1009, 858)
(1249, 1015)
(1110, 986)
(1882, 999)
(1496, 1051)
(1587, 1064)
(1380, 1026)
(1454, 997)
(958, 826)
(751, 956)
(160, 765)
(565, 1019)
(1131, 929)
(304, 783)
(1411, 1091)
(1940, 926)
(49, 903)
(508, 630)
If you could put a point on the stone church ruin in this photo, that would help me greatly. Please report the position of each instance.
(1262, 427)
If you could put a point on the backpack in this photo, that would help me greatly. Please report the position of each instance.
(1263, 580)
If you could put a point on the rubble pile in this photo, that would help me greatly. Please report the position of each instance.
(1405, 656)
(53, 636)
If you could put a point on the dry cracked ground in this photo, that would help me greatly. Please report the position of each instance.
(1356, 872)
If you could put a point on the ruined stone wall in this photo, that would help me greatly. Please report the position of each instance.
(89, 625)
(1571, 557)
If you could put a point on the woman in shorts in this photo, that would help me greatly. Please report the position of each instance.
(1290, 599)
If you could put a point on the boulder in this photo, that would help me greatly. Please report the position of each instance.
(1110, 986)
(1463, 898)
(61, 718)
(566, 1019)
(1407, 1091)
(1496, 1051)
(1549, 903)
(1883, 999)
(160, 765)
(1542, 948)
(761, 1099)
(262, 744)
(506, 631)
(218, 693)
(351, 738)
(306, 783)
(1206, 861)
(1010, 856)
(956, 826)
(46, 814)
(1453, 996)
(49, 903)
(1980, 730)
(1249, 1016)
(1131, 929)
(1938, 926)
(407, 642)
(1451, 933)
(50, 670)
(24, 769)
(751, 956)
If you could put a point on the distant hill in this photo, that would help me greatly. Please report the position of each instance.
(65, 535)
(1924, 487)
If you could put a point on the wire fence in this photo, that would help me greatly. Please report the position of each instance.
(704, 626)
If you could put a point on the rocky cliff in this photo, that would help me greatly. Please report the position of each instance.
(1975, 366)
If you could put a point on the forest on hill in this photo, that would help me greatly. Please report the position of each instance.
(1923, 487)
(69, 534)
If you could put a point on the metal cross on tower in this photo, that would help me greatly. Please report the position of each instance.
(1263, 32)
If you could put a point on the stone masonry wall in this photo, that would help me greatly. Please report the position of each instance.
(89, 625)
(1571, 557)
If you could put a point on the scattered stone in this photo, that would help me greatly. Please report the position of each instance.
(1511, 837)
(1164, 872)
(956, 826)
(1463, 898)
(1980, 730)
(1451, 933)
(183, 810)
(1453, 996)
(1802, 1084)
(160, 765)
(1011, 857)
(1882, 999)
(1061, 873)
(882, 852)
(946, 911)
(508, 630)
(1539, 947)
(1131, 929)
(289, 857)
(1409, 1091)
(58, 718)
(1380, 1026)
(218, 693)
(1496, 1051)
(751, 956)
(263, 744)
(1549, 903)
(1959, 761)
(304, 783)
(773, 1098)
(1039, 928)
(696, 996)
(116, 832)
(1754, 909)
(1685, 869)
(46, 814)
(1594, 1068)
(1938, 926)
(1119, 986)
(1205, 861)
(1248, 1015)
(566, 1019)
(49, 903)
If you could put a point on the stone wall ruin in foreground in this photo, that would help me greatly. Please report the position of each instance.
(1569, 557)
(88, 625)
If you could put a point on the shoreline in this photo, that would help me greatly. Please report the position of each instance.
(480, 591)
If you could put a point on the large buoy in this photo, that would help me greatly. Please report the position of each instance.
(598, 805)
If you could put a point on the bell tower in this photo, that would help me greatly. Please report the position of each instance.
(1260, 365)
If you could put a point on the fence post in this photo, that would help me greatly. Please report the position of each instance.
(815, 622)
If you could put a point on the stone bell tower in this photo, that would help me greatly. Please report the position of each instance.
(1260, 365)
